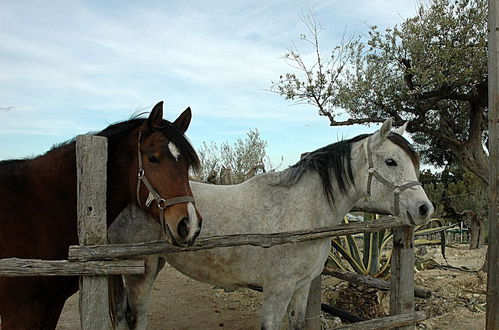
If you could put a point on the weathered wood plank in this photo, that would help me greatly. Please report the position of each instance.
(386, 322)
(402, 270)
(16, 267)
(127, 251)
(492, 320)
(91, 165)
(371, 281)
(313, 312)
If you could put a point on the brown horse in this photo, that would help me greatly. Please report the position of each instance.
(148, 159)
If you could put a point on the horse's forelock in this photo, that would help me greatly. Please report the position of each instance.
(121, 129)
(182, 143)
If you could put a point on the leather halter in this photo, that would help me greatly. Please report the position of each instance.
(161, 202)
(397, 188)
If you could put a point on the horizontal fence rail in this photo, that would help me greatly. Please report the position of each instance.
(371, 281)
(14, 267)
(386, 322)
(125, 251)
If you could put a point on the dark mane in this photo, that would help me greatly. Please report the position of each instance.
(336, 158)
(120, 130)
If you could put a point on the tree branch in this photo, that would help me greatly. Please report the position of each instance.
(353, 121)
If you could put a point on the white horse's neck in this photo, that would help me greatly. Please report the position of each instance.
(309, 189)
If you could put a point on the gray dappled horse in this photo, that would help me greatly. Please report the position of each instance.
(317, 191)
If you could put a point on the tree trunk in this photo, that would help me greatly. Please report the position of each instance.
(477, 232)
(473, 157)
(481, 238)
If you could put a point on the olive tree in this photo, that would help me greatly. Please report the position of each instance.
(431, 71)
(233, 163)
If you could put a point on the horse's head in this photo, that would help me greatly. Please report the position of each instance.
(162, 185)
(391, 177)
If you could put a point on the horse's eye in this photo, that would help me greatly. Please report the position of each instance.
(153, 159)
(390, 162)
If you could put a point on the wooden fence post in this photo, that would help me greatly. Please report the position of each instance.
(402, 270)
(91, 164)
(493, 248)
(313, 312)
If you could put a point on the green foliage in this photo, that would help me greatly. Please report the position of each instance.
(242, 158)
(456, 193)
(468, 194)
(435, 190)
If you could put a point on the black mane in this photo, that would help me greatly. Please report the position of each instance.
(336, 158)
(120, 130)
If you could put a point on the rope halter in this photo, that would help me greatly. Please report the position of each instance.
(161, 202)
(397, 188)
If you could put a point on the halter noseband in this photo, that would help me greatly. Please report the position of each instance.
(397, 189)
(154, 195)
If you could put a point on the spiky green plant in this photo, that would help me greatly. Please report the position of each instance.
(370, 260)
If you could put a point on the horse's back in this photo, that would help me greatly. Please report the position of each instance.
(254, 206)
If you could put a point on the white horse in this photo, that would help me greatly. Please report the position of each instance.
(316, 192)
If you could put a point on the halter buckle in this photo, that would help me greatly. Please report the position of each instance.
(162, 204)
(149, 200)
(371, 170)
(396, 190)
(141, 173)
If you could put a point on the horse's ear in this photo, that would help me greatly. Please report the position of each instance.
(401, 130)
(380, 136)
(155, 117)
(183, 121)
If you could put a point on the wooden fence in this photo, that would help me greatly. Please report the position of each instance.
(93, 259)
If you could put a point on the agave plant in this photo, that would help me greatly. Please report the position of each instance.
(370, 260)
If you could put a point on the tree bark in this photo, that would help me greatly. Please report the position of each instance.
(477, 231)
(473, 157)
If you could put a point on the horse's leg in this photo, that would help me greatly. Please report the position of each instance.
(297, 307)
(161, 264)
(138, 289)
(276, 297)
(117, 302)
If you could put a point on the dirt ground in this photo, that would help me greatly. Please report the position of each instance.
(180, 303)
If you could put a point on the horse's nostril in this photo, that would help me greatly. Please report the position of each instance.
(183, 227)
(423, 210)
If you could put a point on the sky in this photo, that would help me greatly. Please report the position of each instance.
(71, 67)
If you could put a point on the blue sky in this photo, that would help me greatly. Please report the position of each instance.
(70, 67)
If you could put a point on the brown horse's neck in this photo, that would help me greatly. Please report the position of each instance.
(56, 169)
(56, 172)
(122, 170)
